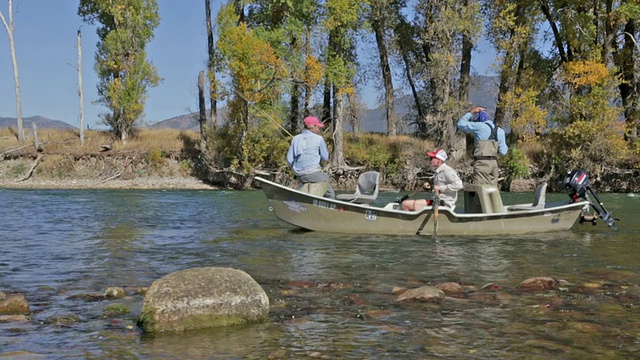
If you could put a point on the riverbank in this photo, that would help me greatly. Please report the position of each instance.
(147, 183)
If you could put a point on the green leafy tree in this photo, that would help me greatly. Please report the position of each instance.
(288, 27)
(255, 72)
(126, 27)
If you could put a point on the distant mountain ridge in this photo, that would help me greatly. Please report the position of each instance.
(40, 121)
(483, 92)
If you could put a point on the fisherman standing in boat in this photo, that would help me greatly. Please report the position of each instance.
(446, 183)
(489, 141)
(306, 152)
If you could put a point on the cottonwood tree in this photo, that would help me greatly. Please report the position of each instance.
(126, 27)
(254, 70)
(288, 27)
(8, 25)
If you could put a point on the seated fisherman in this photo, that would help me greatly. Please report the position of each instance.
(446, 183)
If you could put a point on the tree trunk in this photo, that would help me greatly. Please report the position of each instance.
(507, 74)
(202, 119)
(80, 90)
(16, 77)
(465, 67)
(307, 87)
(213, 115)
(627, 64)
(337, 158)
(462, 140)
(244, 135)
(389, 98)
(565, 56)
(326, 103)
(295, 100)
(421, 123)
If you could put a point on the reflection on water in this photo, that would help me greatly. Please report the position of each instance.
(330, 294)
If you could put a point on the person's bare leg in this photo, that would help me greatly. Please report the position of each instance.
(419, 204)
(407, 205)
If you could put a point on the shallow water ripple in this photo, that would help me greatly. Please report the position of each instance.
(330, 294)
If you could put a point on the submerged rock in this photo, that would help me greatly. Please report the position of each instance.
(538, 284)
(114, 292)
(14, 305)
(450, 288)
(424, 293)
(201, 298)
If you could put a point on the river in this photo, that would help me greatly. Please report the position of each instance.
(330, 294)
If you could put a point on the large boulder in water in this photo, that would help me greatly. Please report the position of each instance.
(201, 298)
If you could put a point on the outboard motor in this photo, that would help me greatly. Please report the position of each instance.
(577, 183)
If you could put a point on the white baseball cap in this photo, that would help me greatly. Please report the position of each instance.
(438, 154)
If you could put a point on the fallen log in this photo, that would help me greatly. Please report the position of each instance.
(33, 167)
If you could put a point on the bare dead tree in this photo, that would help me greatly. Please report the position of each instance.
(80, 92)
(9, 27)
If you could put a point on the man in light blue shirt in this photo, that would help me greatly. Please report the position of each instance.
(489, 142)
(306, 152)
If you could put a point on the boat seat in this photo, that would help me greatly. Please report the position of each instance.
(317, 189)
(366, 190)
(482, 199)
(538, 200)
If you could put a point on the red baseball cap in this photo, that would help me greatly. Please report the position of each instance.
(312, 121)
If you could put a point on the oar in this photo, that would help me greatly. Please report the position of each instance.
(436, 204)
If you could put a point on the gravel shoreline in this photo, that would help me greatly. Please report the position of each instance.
(151, 183)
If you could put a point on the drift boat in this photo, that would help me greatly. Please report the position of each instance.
(483, 212)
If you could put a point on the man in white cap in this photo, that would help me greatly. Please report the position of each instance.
(446, 183)
(306, 152)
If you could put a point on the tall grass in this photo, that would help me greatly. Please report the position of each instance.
(68, 141)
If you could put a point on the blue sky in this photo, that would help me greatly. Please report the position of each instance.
(45, 40)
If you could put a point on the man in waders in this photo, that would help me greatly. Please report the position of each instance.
(489, 142)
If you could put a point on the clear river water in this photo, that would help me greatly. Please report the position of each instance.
(330, 294)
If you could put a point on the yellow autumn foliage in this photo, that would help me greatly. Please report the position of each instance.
(585, 73)
(314, 71)
(529, 120)
(589, 127)
(252, 62)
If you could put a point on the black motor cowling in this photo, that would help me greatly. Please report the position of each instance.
(577, 183)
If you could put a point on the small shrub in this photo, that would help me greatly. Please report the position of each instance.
(185, 167)
(17, 170)
(517, 164)
(155, 158)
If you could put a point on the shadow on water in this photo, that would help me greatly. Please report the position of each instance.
(330, 294)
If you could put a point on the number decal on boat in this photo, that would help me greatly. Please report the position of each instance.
(371, 215)
(324, 204)
(294, 206)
